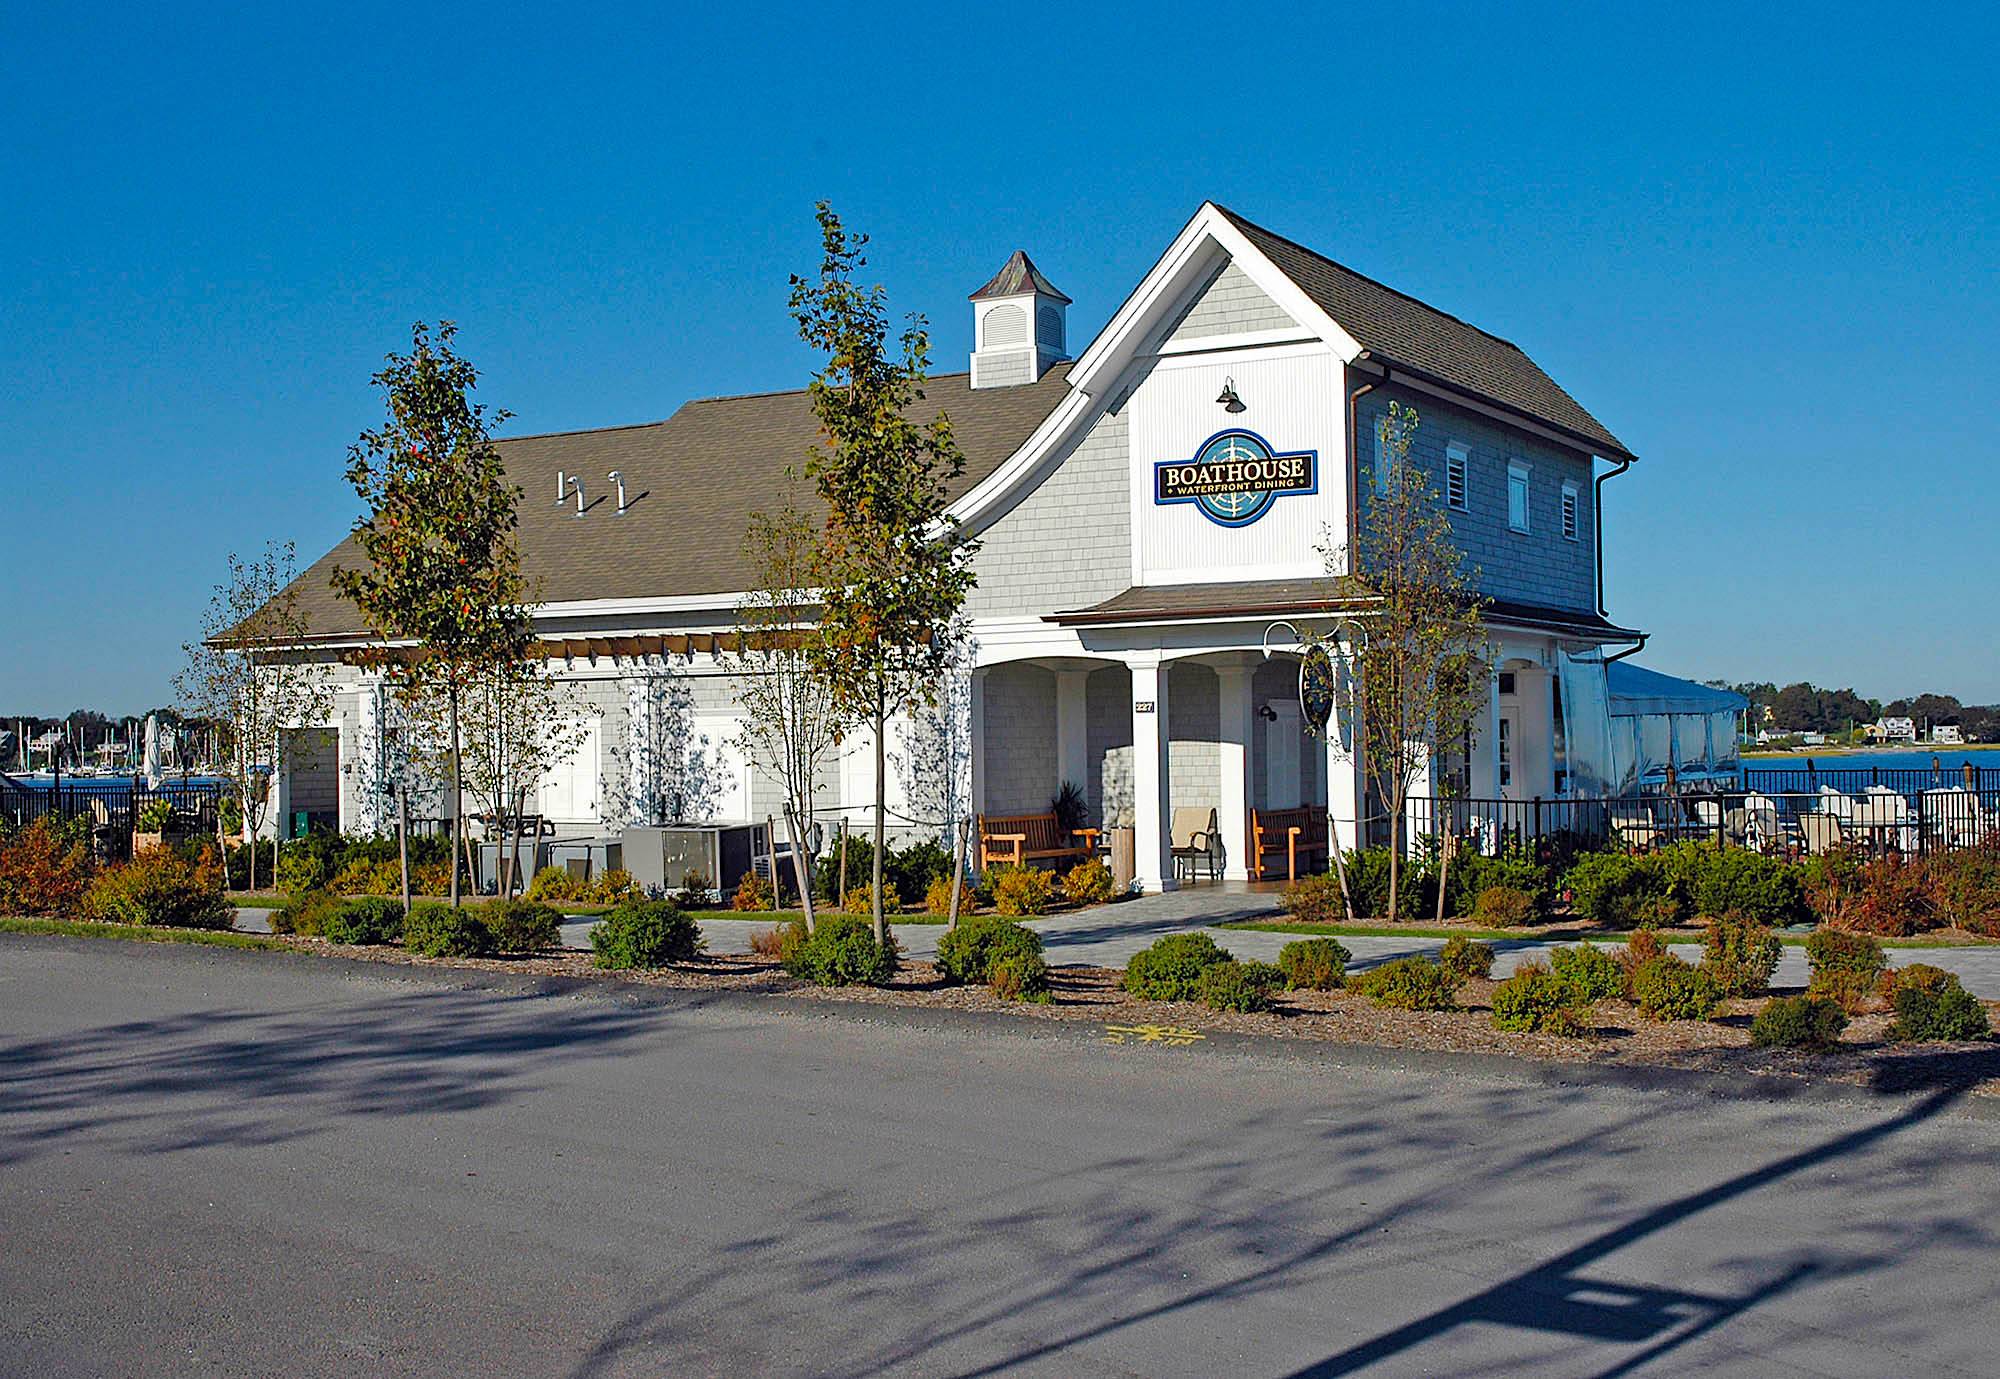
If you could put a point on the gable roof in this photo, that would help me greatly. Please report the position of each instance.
(691, 483)
(1016, 276)
(1425, 342)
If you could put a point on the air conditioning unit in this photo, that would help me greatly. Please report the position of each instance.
(660, 856)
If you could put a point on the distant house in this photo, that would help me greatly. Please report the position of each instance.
(1893, 730)
(1947, 734)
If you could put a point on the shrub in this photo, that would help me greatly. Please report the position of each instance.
(164, 888)
(1886, 896)
(912, 870)
(841, 951)
(360, 876)
(1966, 889)
(1463, 959)
(1314, 964)
(860, 861)
(436, 930)
(156, 815)
(301, 869)
(1668, 989)
(1540, 1001)
(306, 914)
(1504, 907)
(1592, 974)
(368, 919)
(1918, 976)
(1368, 881)
(1945, 1014)
(1740, 954)
(238, 857)
(1239, 986)
(1314, 899)
(1087, 883)
(1171, 969)
(1845, 967)
(1622, 891)
(860, 900)
(1021, 977)
(769, 943)
(555, 885)
(1023, 891)
(1641, 948)
(969, 949)
(44, 870)
(1409, 984)
(1798, 1022)
(1737, 881)
(937, 897)
(646, 933)
(432, 878)
(753, 892)
(521, 926)
(1472, 875)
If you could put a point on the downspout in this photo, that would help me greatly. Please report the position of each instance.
(1354, 464)
(1597, 521)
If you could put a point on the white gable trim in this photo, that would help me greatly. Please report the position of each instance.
(1138, 330)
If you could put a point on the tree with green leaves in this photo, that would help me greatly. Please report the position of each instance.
(251, 675)
(895, 568)
(442, 590)
(1419, 665)
(791, 724)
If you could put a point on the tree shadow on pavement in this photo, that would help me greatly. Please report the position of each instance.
(1032, 1271)
(234, 1077)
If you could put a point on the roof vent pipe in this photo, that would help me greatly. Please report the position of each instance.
(618, 477)
(577, 482)
(562, 486)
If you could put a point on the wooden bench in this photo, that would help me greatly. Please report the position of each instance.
(1287, 833)
(1018, 839)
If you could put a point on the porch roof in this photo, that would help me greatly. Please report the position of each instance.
(1157, 603)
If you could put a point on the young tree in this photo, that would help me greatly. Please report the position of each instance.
(1420, 669)
(895, 568)
(516, 723)
(934, 765)
(791, 723)
(442, 590)
(250, 675)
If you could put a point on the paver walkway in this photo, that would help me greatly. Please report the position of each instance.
(1110, 934)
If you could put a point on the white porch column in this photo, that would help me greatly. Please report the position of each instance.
(1238, 722)
(1344, 794)
(1153, 867)
(1072, 725)
(977, 699)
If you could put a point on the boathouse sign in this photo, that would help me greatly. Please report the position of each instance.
(1235, 477)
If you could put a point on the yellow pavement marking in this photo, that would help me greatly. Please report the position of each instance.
(1173, 1036)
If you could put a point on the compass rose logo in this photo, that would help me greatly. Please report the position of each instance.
(1235, 476)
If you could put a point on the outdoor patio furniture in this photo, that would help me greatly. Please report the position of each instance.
(1018, 839)
(1195, 841)
(1822, 833)
(1287, 833)
(1634, 827)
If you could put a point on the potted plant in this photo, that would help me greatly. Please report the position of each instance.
(156, 820)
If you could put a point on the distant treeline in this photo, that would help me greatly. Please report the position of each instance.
(1808, 708)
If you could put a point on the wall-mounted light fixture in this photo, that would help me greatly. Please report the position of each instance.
(1267, 713)
(1229, 400)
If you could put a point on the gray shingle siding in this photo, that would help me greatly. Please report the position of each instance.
(1068, 542)
(1003, 368)
(1538, 566)
(1020, 716)
(1230, 304)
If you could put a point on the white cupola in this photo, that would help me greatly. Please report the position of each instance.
(1017, 325)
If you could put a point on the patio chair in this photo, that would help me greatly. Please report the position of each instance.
(1196, 841)
(1822, 833)
(1635, 827)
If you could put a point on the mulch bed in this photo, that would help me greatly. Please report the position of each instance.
(1865, 1058)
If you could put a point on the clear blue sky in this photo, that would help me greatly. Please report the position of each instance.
(1761, 250)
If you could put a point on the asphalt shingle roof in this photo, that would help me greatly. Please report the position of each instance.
(1396, 327)
(691, 482)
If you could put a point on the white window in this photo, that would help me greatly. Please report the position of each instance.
(1454, 477)
(1569, 512)
(1381, 459)
(1517, 495)
(1506, 751)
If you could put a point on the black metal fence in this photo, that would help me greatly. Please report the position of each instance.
(1852, 780)
(114, 807)
(1877, 819)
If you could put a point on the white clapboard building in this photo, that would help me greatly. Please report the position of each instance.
(1125, 605)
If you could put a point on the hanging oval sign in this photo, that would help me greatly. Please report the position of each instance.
(1316, 688)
